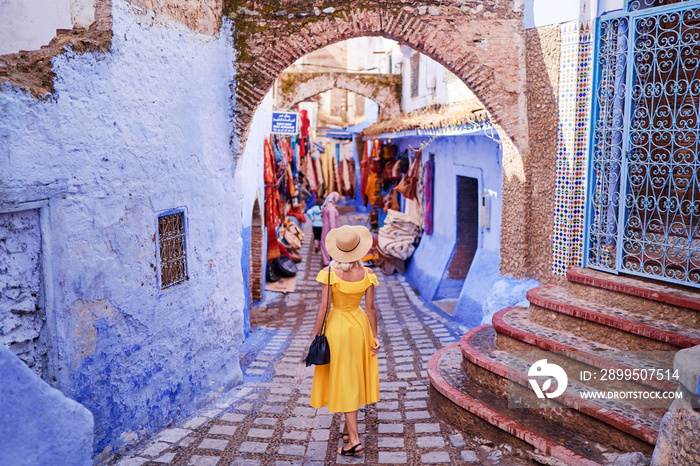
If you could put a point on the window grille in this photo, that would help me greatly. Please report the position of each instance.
(634, 5)
(415, 70)
(644, 188)
(171, 244)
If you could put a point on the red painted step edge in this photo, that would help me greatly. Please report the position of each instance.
(543, 444)
(598, 412)
(582, 356)
(611, 321)
(573, 274)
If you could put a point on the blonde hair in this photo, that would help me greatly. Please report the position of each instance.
(345, 266)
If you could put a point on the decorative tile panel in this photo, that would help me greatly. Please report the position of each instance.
(572, 150)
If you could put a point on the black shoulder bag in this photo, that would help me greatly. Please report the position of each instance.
(319, 352)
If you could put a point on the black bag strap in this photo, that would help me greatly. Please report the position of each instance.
(328, 303)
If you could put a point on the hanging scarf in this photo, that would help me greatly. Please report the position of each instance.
(327, 168)
(336, 170)
(347, 187)
(271, 208)
(310, 173)
(428, 196)
(322, 187)
(364, 172)
(278, 151)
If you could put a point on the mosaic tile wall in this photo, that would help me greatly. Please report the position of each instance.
(575, 80)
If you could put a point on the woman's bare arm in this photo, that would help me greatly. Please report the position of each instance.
(322, 307)
(371, 309)
(372, 315)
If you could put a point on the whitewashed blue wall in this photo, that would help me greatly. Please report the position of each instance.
(127, 135)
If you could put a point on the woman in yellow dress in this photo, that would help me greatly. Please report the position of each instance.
(351, 379)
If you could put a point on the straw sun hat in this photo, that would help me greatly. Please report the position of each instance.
(348, 243)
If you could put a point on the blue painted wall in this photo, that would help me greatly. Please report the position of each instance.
(126, 136)
(477, 156)
(245, 270)
(38, 425)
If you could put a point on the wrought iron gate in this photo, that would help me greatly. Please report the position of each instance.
(643, 208)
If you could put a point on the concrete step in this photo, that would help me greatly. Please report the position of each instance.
(630, 425)
(517, 332)
(554, 307)
(447, 305)
(449, 288)
(458, 396)
(680, 304)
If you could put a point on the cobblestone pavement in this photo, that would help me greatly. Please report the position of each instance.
(268, 419)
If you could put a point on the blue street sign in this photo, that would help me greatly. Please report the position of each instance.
(285, 123)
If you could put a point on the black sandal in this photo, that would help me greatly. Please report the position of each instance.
(352, 451)
(346, 435)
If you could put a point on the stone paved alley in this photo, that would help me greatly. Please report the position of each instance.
(268, 420)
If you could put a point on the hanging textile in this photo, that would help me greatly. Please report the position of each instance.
(364, 173)
(292, 158)
(325, 164)
(310, 174)
(420, 189)
(372, 191)
(305, 123)
(290, 191)
(407, 185)
(338, 185)
(397, 238)
(412, 210)
(277, 150)
(271, 207)
(322, 187)
(428, 194)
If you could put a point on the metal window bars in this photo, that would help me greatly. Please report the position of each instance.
(173, 257)
(644, 192)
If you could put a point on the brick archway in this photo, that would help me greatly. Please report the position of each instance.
(484, 45)
(384, 89)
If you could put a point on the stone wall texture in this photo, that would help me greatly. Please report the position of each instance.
(203, 16)
(679, 432)
(22, 314)
(384, 89)
(543, 53)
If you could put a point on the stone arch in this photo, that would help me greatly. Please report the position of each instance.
(484, 45)
(256, 252)
(513, 71)
(485, 50)
(384, 89)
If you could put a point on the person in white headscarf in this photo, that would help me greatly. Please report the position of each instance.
(330, 221)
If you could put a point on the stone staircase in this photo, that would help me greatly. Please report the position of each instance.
(595, 324)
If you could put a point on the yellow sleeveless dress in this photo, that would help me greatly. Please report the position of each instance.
(351, 379)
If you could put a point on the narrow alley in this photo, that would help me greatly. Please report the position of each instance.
(268, 420)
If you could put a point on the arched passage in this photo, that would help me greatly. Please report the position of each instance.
(485, 46)
(512, 70)
(485, 53)
(384, 89)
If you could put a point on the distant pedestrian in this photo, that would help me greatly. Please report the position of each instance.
(330, 221)
(351, 380)
(316, 218)
(305, 195)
